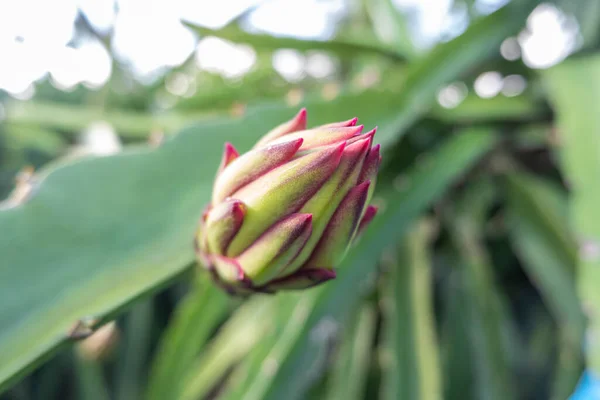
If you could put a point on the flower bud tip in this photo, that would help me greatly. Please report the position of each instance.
(228, 269)
(320, 274)
(301, 114)
(299, 121)
(368, 216)
(303, 279)
(229, 154)
(238, 210)
(342, 124)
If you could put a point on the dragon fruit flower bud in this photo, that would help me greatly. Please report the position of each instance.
(284, 214)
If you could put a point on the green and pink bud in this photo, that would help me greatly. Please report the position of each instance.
(284, 214)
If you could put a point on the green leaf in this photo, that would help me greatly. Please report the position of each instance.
(351, 367)
(574, 88)
(540, 235)
(98, 233)
(500, 108)
(390, 25)
(338, 299)
(425, 76)
(451, 60)
(250, 323)
(410, 344)
(21, 137)
(340, 47)
(490, 327)
(195, 320)
(74, 118)
(90, 381)
(457, 346)
(134, 350)
(587, 13)
(259, 371)
(542, 345)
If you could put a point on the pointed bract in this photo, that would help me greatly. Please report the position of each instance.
(200, 243)
(363, 136)
(205, 214)
(229, 154)
(201, 249)
(319, 137)
(282, 191)
(350, 122)
(359, 137)
(322, 204)
(371, 164)
(332, 246)
(252, 165)
(222, 223)
(228, 270)
(370, 169)
(369, 214)
(303, 279)
(298, 123)
(267, 256)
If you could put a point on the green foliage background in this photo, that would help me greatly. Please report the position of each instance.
(479, 279)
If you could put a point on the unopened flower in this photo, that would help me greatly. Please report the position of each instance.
(283, 215)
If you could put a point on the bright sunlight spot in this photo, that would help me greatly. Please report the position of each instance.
(452, 95)
(488, 84)
(549, 38)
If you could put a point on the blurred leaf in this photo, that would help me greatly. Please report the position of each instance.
(340, 47)
(587, 14)
(534, 136)
(90, 381)
(100, 232)
(500, 108)
(23, 146)
(74, 118)
(390, 25)
(410, 344)
(351, 368)
(457, 346)
(451, 60)
(467, 352)
(338, 300)
(490, 324)
(568, 369)
(539, 233)
(250, 323)
(219, 93)
(23, 137)
(259, 370)
(542, 346)
(134, 350)
(424, 77)
(195, 320)
(574, 88)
